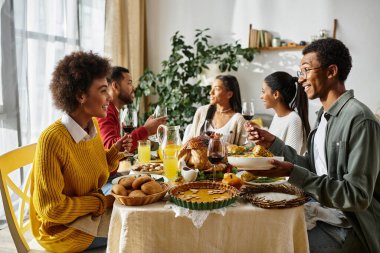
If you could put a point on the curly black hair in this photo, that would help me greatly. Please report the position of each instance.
(117, 73)
(73, 75)
(332, 51)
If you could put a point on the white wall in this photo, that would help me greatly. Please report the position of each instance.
(295, 20)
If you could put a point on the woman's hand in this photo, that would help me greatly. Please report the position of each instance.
(124, 143)
(281, 169)
(259, 136)
(109, 201)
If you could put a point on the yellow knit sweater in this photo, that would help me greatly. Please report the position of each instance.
(65, 182)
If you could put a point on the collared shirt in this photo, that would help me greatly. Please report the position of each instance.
(76, 131)
(352, 183)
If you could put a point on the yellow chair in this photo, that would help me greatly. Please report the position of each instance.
(18, 226)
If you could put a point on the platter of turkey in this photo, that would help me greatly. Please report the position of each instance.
(193, 156)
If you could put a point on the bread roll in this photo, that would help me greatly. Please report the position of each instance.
(118, 189)
(127, 182)
(151, 187)
(137, 193)
(140, 181)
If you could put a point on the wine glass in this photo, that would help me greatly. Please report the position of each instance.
(159, 111)
(248, 110)
(215, 153)
(128, 121)
(207, 128)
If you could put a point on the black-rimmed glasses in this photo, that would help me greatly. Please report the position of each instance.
(303, 73)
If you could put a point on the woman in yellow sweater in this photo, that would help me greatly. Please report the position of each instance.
(71, 165)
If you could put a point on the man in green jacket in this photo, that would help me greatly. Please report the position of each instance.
(341, 168)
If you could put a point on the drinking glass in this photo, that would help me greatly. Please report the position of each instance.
(248, 110)
(206, 128)
(143, 151)
(170, 162)
(215, 153)
(128, 122)
(159, 111)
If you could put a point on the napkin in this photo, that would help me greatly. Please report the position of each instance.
(94, 225)
(314, 211)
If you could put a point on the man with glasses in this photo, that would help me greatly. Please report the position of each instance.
(341, 168)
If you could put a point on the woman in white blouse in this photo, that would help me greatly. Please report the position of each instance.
(282, 93)
(223, 113)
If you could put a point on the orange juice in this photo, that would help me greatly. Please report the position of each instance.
(170, 150)
(170, 160)
(159, 152)
(170, 167)
(143, 152)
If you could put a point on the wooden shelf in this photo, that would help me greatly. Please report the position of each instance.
(284, 48)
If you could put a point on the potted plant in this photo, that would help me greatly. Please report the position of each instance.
(178, 85)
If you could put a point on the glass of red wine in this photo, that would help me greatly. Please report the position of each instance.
(215, 153)
(248, 110)
(129, 121)
(207, 128)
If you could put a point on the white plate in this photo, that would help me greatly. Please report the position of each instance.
(252, 163)
(256, 183)
(155, 176)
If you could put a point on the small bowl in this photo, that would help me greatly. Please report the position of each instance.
(188, 174)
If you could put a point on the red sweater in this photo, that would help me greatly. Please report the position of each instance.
(110, 129)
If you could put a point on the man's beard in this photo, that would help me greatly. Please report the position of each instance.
(125, 98)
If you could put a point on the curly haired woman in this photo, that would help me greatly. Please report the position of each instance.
(70, 164)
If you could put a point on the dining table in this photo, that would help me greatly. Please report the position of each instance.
(241, 227)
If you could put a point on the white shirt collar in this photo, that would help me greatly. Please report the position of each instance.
(76, 131)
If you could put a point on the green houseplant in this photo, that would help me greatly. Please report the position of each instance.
(178, 85)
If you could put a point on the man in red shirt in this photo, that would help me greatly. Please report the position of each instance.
(122, 93)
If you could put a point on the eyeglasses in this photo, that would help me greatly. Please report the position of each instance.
(303, 73)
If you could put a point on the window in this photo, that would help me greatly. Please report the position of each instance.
(35, 35)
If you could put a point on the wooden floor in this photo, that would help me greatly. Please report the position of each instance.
(6, 242)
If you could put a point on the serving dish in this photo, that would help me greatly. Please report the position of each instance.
(252, 163)
(149, 168)
(154, 176)
(203, 195)
(139, 201)
(263, 180)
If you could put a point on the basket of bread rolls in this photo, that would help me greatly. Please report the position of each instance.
(139, 190)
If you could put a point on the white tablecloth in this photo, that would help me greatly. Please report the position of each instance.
(244, 228)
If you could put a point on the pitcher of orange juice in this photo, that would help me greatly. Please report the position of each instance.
(170, 144)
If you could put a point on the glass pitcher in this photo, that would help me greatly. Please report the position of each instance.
(170, 144)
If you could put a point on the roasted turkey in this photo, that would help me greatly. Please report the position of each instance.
(194, 154)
